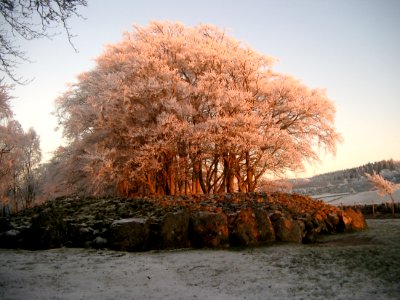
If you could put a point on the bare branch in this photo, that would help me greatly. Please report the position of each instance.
(31, 20)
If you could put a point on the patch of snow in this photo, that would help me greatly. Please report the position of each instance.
(285, 271)
(130, 220)
(363, 198)
(12, 232)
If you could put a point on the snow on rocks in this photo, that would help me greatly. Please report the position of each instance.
(130, 234)
(213, 221)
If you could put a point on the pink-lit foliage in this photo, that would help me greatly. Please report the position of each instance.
(178, 110)
(19, 157)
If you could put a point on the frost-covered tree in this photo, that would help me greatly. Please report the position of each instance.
(6, 145)
(30, 159)
(179, 110)
(19, 157)
(18, 180)
(5, 110)
(65, 175)
(383, 186)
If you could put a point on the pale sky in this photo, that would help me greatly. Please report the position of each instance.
(351, 48)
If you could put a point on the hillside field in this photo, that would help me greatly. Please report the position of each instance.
(361, 198)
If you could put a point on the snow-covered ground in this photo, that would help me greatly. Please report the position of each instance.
(362, 265)
(362, 198)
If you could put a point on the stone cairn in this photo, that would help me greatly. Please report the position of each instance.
(174, 222)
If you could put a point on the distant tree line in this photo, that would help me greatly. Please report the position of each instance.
(359, 172)
(377, 167)
(348, 180)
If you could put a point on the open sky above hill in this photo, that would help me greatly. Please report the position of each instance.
(350, 48)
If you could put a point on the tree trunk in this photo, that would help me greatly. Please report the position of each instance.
(201, 179)
(228, 174)
(250, 174)
(151, 185)
(170, 180)
(241, 183)
(215, 181)
(195, 178)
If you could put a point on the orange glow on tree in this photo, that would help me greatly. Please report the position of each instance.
(179, 110)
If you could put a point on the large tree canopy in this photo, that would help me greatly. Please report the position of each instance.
(178, 110)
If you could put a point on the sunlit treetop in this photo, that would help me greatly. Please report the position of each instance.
(175, 110)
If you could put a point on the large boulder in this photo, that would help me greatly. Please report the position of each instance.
(11, 238)
(78, 234)
(332, 221)
(309, 234)
(99, 242)
(130, 234)
(208, 229)
(352, 220)
(250, 227)
(264, 225)
(173, 231)
(48, 230)
(4, 224)
(286, 229)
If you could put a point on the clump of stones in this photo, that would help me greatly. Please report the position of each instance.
(150, 223)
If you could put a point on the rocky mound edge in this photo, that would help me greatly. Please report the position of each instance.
(171, 222)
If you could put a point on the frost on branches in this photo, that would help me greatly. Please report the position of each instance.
(384, 187)
(178, 110)
(20, 155)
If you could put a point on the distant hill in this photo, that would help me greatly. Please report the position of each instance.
(347, 181)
